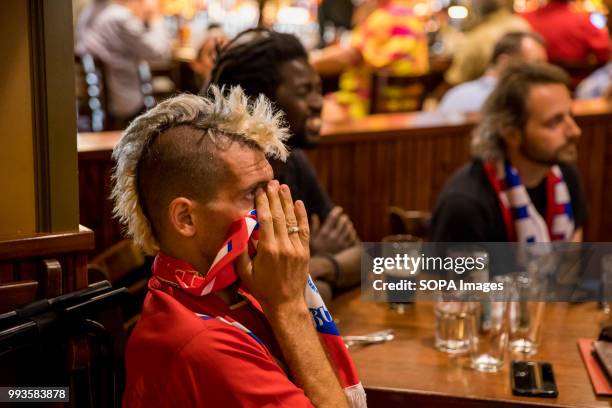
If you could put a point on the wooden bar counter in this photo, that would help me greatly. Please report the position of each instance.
(409, 372)
(370, 164)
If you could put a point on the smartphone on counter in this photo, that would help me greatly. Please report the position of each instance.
(533, 379)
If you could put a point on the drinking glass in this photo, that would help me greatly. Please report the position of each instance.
(489, 342)
(606, 281)
(394, 245)
(455, 322)
(526, 314)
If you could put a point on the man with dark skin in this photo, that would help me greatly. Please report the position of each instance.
(276, 65)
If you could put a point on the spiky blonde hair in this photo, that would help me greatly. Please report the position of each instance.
(218, 114)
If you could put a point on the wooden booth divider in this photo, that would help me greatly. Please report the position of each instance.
(42, 265)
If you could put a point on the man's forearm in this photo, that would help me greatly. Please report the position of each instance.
(305, 356)
(349, 262)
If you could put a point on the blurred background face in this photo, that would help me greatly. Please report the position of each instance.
(550, 135)
(299, 96)
(532, 51)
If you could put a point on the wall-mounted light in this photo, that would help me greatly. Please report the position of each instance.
(457, 12)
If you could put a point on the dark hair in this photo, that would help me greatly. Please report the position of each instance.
(510, 43)
(506, 107)
(253, 59)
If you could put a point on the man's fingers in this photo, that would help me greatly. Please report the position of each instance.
(353, 234)
(264, 218)
(276, 209)
(290, 217)
(344, 228)
(332, 218)
(315, 224)
(302, 220)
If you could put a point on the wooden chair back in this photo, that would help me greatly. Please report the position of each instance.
(119, 261)
(14, 295)
(123, 264)
(411, 222)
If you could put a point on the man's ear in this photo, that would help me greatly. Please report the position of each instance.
(512, 137)
(180, 214)
(502, 62)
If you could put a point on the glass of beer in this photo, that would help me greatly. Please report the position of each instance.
(400, 245)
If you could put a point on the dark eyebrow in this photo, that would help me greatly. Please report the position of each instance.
(556, 117)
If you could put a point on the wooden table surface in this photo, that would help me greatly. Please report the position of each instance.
(409, 371)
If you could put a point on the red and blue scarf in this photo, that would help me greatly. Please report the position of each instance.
(522, 220)
(244, 234)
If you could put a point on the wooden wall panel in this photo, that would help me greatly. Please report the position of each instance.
(365, 176)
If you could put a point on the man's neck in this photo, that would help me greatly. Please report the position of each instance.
(531, 173)
(229, 295)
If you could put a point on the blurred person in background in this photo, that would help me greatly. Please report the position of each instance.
(570, 36)
(335, 17)
(390, 37)
(203, 63)
(121, 33)
(596, 85)
(512, 48)
(522, 185)
(276, 65)
(474, 50)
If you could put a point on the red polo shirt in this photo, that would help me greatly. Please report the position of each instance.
(177, 358)
(569, 35)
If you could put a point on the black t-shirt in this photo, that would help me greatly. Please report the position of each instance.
(300, 176)
(468, 208)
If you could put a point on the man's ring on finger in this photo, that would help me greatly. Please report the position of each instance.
(292, 229)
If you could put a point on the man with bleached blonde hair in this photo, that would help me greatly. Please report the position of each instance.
(227, 320)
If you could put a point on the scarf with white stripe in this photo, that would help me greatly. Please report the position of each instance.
(522, 220)
(244, 235)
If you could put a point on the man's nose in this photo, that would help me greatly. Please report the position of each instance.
(573, 130)
(315, 102)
